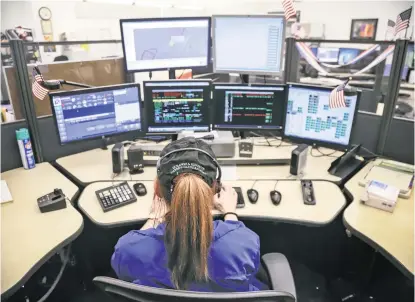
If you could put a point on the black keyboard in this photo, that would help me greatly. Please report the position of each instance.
(115, 196)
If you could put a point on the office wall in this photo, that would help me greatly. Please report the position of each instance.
(91, 20)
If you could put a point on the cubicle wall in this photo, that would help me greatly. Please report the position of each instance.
(400, 140)
(53, 150)
(10, 155)
(366, 130)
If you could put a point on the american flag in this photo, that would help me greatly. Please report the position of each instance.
(336, 99)
(289, 10)
(402, 21)
(37, 88)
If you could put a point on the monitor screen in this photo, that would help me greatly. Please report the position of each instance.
(328, 54)
(174, 106)
(246, 107)
(95, 112)
(348, 54)
(309, 117)
(248, 44)
(166, 43)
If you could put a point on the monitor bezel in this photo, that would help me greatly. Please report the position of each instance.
(147, 103)
(313, 142)
(91, 90)
(231, 127)
(209, 44)
(250, 72)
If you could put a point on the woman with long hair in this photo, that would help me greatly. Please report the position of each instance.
(182, 247)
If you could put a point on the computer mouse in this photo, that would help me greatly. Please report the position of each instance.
(140, 189)
(275, 197)
(402, 108)
(252, 195)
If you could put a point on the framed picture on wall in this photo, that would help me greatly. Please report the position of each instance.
(363, 29)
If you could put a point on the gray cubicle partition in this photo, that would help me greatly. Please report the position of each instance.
(400, 141)
(53, 150)
(366, 130)
(369, 100)
(10, 155)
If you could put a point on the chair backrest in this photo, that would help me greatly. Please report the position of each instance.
(126, 291)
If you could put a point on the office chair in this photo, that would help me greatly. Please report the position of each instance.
(280, 275)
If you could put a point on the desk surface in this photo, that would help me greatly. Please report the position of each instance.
(28, 237)
(330, 201)
(96, 165)
(390, 233)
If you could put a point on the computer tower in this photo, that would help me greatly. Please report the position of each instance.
(117, 158)
(298, 159)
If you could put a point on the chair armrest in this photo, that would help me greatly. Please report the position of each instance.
(279, 273)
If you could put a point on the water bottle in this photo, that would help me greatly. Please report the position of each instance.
(25, 148)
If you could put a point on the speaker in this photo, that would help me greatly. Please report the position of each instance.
(117, 158)
(298, 159)
(135, 159)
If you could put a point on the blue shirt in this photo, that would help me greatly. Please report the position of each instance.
(234, 259)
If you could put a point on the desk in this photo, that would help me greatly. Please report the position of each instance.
(392, 234)
(96, 165)
(330, 201)
(28, 237)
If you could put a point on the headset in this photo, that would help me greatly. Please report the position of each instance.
(218, 169)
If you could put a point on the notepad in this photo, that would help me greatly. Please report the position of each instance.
(6, 196)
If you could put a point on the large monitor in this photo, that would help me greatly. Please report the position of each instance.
(95, 112)
(309, 118)
(348, 54)
(165, 43)
(328, 54)
(248, 44)
(175, 106)
(248, 107)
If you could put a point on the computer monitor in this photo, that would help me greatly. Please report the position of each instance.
(96, 112)
(175, 106)
(165, 43)
(248, 44)
(248, 107)
(348, 54)
(328, 54)
(409, 61)
(309, 118)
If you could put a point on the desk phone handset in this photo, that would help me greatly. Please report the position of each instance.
(308, 192)
(52, 201)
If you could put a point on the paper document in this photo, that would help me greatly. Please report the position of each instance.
(6, 196)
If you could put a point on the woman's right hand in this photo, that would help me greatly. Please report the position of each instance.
(226, 199)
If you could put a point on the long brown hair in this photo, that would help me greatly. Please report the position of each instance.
(189, 229)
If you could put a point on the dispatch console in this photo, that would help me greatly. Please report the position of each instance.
(310, 119)
(174, 106)
(245, 107)
(96, 112)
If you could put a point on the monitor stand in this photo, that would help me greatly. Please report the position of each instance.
(245, 78)
(347, 164)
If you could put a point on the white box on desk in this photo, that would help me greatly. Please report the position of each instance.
(380, 195)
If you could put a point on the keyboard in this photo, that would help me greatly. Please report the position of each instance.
(115, 196)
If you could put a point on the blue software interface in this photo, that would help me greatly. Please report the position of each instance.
(248, 44)
(328, 54)
(348, 54)
(84, 115)
(309, 116)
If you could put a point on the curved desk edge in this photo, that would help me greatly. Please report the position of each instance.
(68, 175)
(35, 268)
(248, 217)
(377, 247)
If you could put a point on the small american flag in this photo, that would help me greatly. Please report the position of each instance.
(336, 99)
(37, 88)
(289, 10)
(402, 21)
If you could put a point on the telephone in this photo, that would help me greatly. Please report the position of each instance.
(53, 201)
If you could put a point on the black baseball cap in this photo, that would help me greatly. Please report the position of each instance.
(186, 161)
